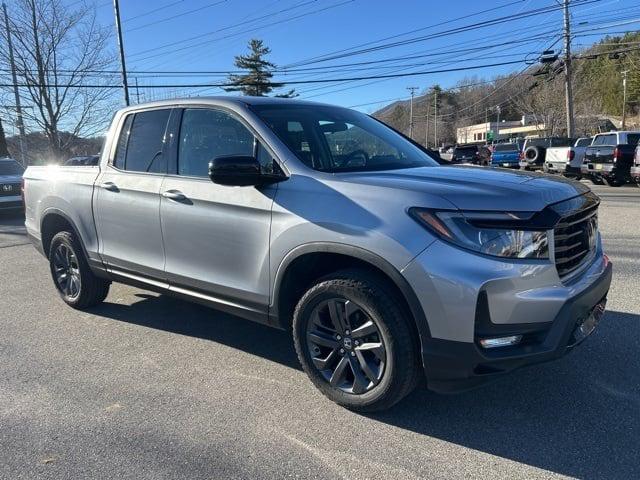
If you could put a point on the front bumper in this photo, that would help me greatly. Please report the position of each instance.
(13, 202)
(466, 297)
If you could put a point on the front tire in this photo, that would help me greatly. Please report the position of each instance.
(72, 277)
(354, 341)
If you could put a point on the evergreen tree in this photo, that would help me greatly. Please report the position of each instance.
(257, 81)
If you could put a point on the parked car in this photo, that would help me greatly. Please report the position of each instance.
(84, 161)
(567, 160)
(10, 184)
(385, 265)
(535, 150)
(466, 154)
(610, 157)
(635, 169)
(506, 155)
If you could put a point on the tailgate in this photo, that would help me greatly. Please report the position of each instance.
(557, 155)
(599, 154)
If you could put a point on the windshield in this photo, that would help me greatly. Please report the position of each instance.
(333, 139)
(11, 168)
(506, 147)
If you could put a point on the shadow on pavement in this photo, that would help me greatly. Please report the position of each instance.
(578, 416)
(184, 318)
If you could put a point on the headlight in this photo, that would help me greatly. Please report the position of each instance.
(476, 231)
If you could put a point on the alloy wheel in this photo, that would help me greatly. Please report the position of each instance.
(345, 346)
(67, 271)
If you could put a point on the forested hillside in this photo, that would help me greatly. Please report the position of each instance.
(537, 91)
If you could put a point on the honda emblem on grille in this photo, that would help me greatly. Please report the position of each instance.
(592, 229)
(7, 188)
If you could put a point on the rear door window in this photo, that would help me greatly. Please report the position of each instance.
(141, 143)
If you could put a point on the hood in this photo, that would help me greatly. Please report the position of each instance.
(10, 178)
(477, 188)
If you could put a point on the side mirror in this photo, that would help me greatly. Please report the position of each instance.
(239, 171)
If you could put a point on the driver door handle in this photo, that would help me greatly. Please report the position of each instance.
(174, 195)
(112, 187)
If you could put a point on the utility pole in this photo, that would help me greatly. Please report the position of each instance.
(435, 119)
(486, 125)
(413, 91)
(16, 92)
(498, 123)
(624, 99)
(567, 70)
(116, 9)
(426, 129)
(137, 92)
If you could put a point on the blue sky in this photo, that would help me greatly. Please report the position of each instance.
(212, 32)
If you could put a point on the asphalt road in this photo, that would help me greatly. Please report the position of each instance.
(149, 387)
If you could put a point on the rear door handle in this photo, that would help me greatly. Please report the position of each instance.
(174, 195)
(112, 187)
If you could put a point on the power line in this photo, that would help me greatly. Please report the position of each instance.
(410, 32)
(178, 15)
(206, 42)
(212, 32)
(150, 12)
(440, 34)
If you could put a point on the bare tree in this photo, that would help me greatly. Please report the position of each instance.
(59, 53)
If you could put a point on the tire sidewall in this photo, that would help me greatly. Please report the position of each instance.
(324, 291)
(70, 242)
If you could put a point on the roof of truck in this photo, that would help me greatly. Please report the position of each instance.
(224, 100)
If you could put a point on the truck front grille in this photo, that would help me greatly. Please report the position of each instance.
(575, 239)
(9, 189)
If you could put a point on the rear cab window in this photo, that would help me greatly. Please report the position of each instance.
(506, 147)
(608, 139)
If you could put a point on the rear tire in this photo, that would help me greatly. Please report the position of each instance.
(72, 277)
(354, 341)
(614, 182)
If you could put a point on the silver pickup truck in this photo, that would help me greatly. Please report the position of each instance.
(321, 220)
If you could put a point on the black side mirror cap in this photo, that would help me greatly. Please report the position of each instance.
(239, 171)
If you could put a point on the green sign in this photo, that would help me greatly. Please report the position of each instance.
(490, 135)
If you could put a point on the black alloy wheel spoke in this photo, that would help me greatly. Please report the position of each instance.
(66, 271)
(345, 346)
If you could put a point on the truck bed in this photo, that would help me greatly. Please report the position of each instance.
(63, 188)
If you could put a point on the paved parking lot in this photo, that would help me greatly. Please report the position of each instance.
(146, 386)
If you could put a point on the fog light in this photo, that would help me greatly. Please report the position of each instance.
(500, 341)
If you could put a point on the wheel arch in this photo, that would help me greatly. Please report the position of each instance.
(55, 221)
(325, 257)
